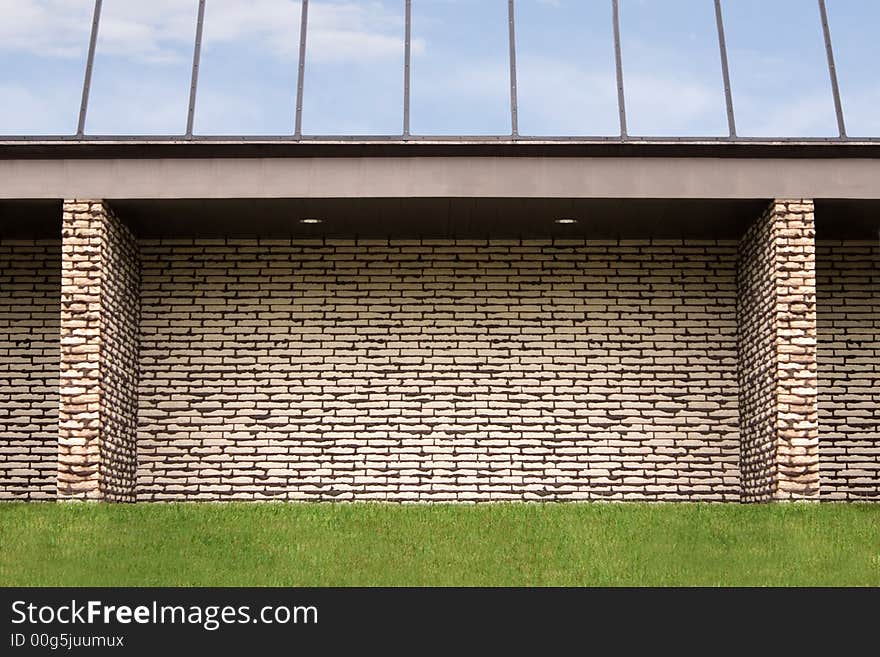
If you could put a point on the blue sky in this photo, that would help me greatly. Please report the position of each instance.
(460, 67)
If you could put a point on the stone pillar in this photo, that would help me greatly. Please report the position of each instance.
(100, 309)
(776, 314)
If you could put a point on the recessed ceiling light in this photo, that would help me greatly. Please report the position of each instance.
(566, 220)
(310, 220)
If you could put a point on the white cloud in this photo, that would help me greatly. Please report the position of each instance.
(221, 112)
(461, 96)
(337, 30)
(478, 80)
(58, 28)
(158, 31)
(789, 115)
(342, 45)
(26, 112)
(661, 105)
(777, 96)
(140, 107)
(164, 30)
(272, 23)
(557, 97)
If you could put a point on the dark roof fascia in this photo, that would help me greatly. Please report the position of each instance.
(102, 148)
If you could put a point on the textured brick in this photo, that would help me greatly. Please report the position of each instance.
(97, 456)
(777, 355)
(30, 298)
(438, 370)
(848, 291)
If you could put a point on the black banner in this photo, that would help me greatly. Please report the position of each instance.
(332, 621)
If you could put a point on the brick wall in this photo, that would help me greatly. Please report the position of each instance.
(777, 352)
(434, 370)
(757, 354)
(410, 370)
(99, 362)
(30, 284)
(848, 291)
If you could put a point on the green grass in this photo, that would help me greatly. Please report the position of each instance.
(494, 545)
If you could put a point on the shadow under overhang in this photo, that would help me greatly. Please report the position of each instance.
(30, 218)
(439, 218)
(436, 218)
(847, 219)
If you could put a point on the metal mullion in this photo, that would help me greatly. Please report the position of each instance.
(407, 58)
(511, 24)
(194, 83)
(621, 101)
(725, 70)
(303, 28)
(832, 69)
(90, 61)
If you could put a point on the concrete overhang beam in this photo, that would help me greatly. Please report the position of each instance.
(209, 170)
(439, 176)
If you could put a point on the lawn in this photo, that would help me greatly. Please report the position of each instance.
(392, 545)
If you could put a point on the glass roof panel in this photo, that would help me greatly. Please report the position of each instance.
(248, 68)
(566, 79)
(672, 68)
(778, 69)
(460, 68)
(143, 66)
(43, 47)
(354, 68)
(854, 26)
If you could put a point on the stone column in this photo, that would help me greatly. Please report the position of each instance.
(776, 313)
(100, 309)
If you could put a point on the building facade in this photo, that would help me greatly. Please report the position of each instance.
(426, 322)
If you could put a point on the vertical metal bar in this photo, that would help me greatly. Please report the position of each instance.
(197, 54)
(303, 27)
(725, 69)
(621, 101)
(832, 69)
(511, 26)
(90, 61)
(407, 58)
